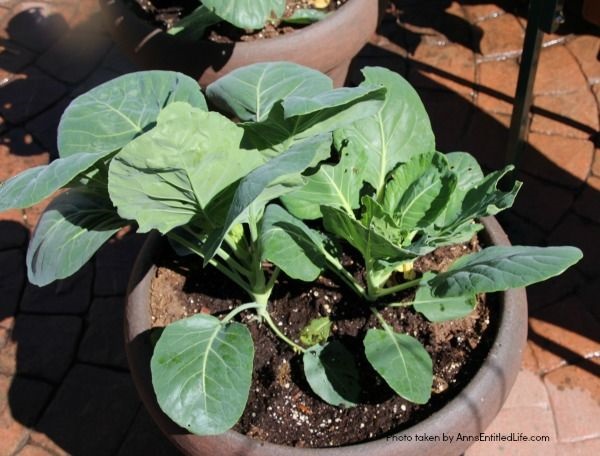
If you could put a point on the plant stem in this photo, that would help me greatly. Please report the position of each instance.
(375, 312)
(391, 290)
(226, 256)
(342, 273)
(237, 310)
(258, 277)
(400, 304)
(263, 312)
(388, 329)
(272, 279)
(233, 262)
(371, 288)
(232, 275)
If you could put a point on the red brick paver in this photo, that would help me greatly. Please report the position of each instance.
(576, 384)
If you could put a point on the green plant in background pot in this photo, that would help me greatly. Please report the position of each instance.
(187, 46)
(306, 172)
(244, 14)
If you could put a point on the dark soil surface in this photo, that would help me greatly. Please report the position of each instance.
(281, 407)
(166, 13)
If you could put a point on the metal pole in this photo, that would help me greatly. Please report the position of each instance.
(544, 15)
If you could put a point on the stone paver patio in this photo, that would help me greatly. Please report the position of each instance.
(64, 383)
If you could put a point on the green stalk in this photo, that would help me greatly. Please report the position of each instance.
(264, 313)
(388, 329)
(340, 271)
(400, 304)
(233, 262)
(371, 288)
(226, 256)
(231, 274)
(237, 310)
(375, 312)
(258, 276)
(272, 279)
(241, 254)
(396, 288)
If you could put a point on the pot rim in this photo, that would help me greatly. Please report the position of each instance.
(481, 399)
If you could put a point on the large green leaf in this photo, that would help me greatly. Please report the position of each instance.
(278, 176)
(402, 362)
(35, 184)
(73, 227)
(424, 200)
(247, 14)
(201, 373)
(399, 130)
(109, 116)
(366, 240)
(332, 374)
(250, 92)
(169, 175)
(291, 245)
(332, 185)
(300, 117)
(441, 308)
(405, 175)
(466, 168)
(501, 268)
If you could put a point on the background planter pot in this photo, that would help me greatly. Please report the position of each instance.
(469, 413)
(328, 45)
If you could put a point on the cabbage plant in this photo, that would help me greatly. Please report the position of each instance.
(144, 150)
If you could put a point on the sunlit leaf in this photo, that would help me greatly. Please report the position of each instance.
(201, 373)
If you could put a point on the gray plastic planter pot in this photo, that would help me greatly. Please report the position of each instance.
(469, 413)
(328, 45)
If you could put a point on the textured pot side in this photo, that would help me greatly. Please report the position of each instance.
(469, 413)
(328, 45)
